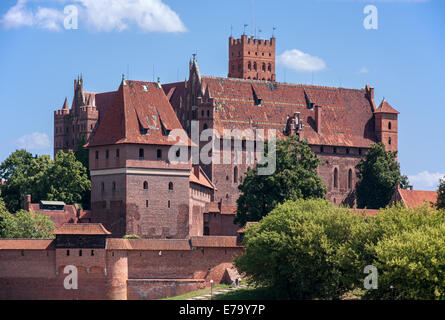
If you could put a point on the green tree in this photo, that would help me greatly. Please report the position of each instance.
(441, 194)
(24, 174)
(303, 250)
(379, 174)
(63, 178)
(24, 224)
(295, 177)
(67, 179)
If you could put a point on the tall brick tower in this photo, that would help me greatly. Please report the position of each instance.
(386, 125)
(251, 58)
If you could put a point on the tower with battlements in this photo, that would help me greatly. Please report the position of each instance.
(251, 58)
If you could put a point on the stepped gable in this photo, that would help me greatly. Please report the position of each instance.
(346, 114)
(140, 113)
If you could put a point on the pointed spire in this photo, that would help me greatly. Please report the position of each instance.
(65, 104)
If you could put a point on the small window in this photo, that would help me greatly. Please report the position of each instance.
(389, 125)
(107, 154)
(67, 253)
(145, 185)
(114, 186)
(117, 153)
(80, 253)
(235, 175)
(321, 149)
(102, 186)
(350, 179)
(389, 140)
(335, 178)
(141, 153)
(146, 203)
(170, 186)
(178, 153)
(92, 252)
(359, 151)
(168, 203)
(208, 113)
(335, 150)
(347, 150)
(159, 154)
(205, 126)
(97, 155)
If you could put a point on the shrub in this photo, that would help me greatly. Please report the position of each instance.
(131, 236)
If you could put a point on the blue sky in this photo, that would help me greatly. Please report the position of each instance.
(319, 42)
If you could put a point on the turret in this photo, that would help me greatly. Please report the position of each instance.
(386, 125)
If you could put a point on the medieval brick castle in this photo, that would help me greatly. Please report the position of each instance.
(183, 210)
(135, 190)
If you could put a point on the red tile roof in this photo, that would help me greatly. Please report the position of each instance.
(26, 244)
(215, 207)
(214, 241)
(148, 244)
(385, 107)
(82, 228)
(68, 215)
(416, 198)
(347, 114)
(136, 106)
(201, 179)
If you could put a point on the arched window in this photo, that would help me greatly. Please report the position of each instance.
(249, 65)
(263, 67)
(254, 66)
(269, 67)
(170, 186)
(389, 125)
(145, 185)
(389, 140)
(350, 179)
(335, 178)
(235, 174)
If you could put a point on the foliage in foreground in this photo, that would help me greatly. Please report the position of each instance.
(63, 179)
(308, 249)
(24, 224)
(295, 177)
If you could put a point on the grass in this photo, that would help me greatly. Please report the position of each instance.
(198, 293)
(248, 293)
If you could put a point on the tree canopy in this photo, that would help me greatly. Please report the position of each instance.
(24, 224)
(441, 194)
(63, 179)
(379, 175)
(295, 177)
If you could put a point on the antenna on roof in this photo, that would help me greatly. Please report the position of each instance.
(273, 31)
(153, 73)
(244, 32)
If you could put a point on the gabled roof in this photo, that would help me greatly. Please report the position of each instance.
(137, 107)
(385, 107)
(416, 198)
(82, 228)
(346, 120)
(201, 179)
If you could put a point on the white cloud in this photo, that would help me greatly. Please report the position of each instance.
(363, 70)
(17, 16)
(148, 15)
(99, 15)
(426, 180)
(300, 61)
(34, 141)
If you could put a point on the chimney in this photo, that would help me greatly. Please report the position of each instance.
(318, 118)
(27, 203)
(410, 188)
